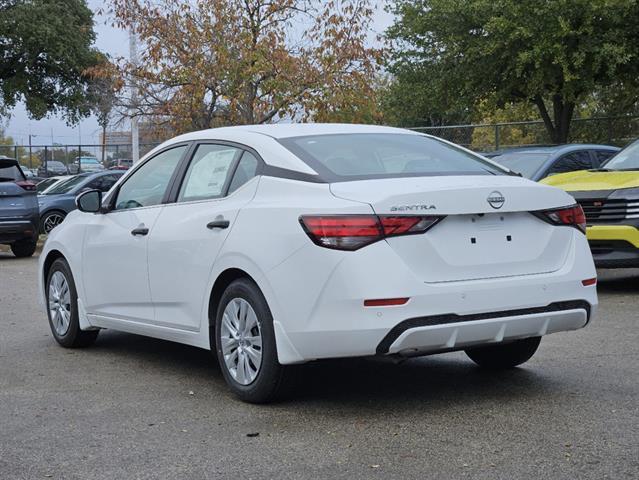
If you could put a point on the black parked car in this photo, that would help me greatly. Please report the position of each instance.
(52, 168)
(19, 215)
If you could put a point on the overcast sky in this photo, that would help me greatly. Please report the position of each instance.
(114, 42)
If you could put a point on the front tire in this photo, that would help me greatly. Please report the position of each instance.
(504, 356)
(245, 344)
(25, 248)
(62, 308)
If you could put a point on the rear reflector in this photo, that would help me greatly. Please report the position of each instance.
(589, 281)
(350, 232)
(385, 302)
(572, 216)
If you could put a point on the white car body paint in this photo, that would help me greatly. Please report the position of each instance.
(160, 284)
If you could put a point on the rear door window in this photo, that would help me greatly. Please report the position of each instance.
(570, 162)
(209, 172)
(601, 156)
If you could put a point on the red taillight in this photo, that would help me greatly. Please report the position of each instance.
(573, 216)
(589, 281)
(27, 185)
(350, 232)
(385, 302)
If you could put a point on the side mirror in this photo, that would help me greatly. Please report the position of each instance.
(89, 201)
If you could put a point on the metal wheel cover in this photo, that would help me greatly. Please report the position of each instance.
(241, 341)
(59, 303)
(52, 221)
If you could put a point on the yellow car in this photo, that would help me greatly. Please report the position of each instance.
(610, 198)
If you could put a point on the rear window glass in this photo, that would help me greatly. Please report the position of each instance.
(344, 157)
(10, 173)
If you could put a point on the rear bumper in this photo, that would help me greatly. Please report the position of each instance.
(614, 246)
(449, 332)
(322, 315)
(16, 230)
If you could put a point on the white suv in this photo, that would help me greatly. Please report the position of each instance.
(277, 245)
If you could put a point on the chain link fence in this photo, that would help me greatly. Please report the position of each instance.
(49, 160)
(489, 137)
(54, 160)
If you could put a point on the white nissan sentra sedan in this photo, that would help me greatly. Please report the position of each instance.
(280, 244)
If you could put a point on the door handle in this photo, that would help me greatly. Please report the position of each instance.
(218, 224)
(139, 231)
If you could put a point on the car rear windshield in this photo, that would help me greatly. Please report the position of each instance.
(65, 186)
(359, 156)
(10, 173)
(526, 163)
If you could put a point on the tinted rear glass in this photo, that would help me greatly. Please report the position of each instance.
(359, 156)
(11, 173)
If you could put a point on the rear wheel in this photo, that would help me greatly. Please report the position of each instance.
(24, 248)
(51, 220)
(245, 344)
(503, 356)
(62, 308)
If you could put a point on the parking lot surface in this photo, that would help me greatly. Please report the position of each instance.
(136, 408)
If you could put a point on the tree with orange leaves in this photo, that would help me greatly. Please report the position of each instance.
(207, 63)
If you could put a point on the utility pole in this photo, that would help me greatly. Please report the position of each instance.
(135, 139)
(30, 159)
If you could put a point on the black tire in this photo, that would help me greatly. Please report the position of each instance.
(73, 337)
(272, 380)
(44, 229)
(504, 356)
(25, 248)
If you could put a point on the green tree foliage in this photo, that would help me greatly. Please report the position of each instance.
(45, 50)
(554, 54)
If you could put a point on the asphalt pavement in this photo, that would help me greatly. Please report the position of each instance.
(137, 408)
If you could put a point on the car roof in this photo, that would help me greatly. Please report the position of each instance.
(264, 139)
(287, 130)
(556, 149)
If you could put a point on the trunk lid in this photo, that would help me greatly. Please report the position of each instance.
(487, 231)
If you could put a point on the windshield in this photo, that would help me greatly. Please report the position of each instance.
(627, 159)
(358, 156)
(526, 163)
(88, 160)
(65, 186)
(11, 173)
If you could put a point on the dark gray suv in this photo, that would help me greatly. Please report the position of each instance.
(19, 214)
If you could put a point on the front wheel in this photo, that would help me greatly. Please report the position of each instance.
(62, 308)
(245, 344)
(506, 355)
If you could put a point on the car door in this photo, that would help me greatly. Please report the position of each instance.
(115, 274)
(190, 232)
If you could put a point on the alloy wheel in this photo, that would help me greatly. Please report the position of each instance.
(59, 303)
(51, 221)
(241, 341)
